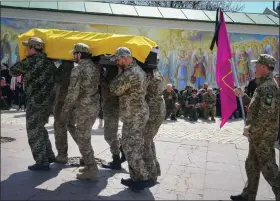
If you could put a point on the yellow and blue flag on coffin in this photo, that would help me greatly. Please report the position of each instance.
(59, 43)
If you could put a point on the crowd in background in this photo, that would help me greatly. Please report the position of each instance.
(12, 90)
(190, 103)
(201, 103)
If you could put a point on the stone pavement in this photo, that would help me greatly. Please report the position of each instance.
(198, 161)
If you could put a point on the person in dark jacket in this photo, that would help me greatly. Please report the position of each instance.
(251, 87)
(6, 95)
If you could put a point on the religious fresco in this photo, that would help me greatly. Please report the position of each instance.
(185, 56)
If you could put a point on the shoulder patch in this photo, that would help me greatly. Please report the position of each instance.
(268, 99)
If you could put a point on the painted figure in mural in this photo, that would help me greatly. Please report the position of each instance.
(182, 70)
(173, 60)
(199, 68)
(163, 64)
(213, 70)
(242, 64)
(14, 49)
(39, 82)
(81, 107)
(252, 55)
(6, 50)
(130, 85)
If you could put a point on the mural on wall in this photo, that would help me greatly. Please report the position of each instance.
(185, 57)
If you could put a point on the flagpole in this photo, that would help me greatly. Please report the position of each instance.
(237, 83)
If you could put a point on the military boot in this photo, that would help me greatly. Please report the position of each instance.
(115, 164)
(173, 118)
(38, 167)
(61, 159)
(238, 198)
(83, 169)
(89, 173)
(123, 158)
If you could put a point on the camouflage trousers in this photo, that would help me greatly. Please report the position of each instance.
(170, 111)
(38, 137)
(193, 113)
(151, 129)
(80, 126)
(211, 111)
(261, 159)
(60, 129)
(111, 122)
(133, 146)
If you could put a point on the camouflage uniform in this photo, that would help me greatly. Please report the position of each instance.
(262, 119)
(81, 109)
(111, 117)
(130, 86)
(157, 112)
(210, 101)
(60, 130)
(192, 102)
(186, 94)
(38, 72)
(170, 103)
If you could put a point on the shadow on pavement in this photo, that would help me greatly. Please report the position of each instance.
(127, 194)
(24, 186)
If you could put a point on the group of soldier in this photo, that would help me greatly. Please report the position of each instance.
(191, 103)
(133, 96)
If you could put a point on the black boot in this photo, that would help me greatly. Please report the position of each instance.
(127, 182)
(138, 185)
(115, 164)
(82, 162)
(173, 118)
(238, 198)
(123, 158)
(51, 159)
(39, 167)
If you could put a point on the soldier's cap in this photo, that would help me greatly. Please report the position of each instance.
(34, 42)
(81, 47)
(121, 52)
(266, 59)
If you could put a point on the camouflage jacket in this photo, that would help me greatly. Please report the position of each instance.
(83, 92)
(192, 101)
(263, 111)
(186, 94)
(38, 72)
(210, 100)
(130, 86)
(170, 103)
(154, 92)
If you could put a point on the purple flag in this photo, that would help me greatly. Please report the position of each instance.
(224, 75)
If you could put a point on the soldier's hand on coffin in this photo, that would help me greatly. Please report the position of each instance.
(238, 92)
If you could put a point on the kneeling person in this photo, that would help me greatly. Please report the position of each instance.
(192, 105)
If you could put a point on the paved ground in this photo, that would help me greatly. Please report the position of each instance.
(198, 161)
